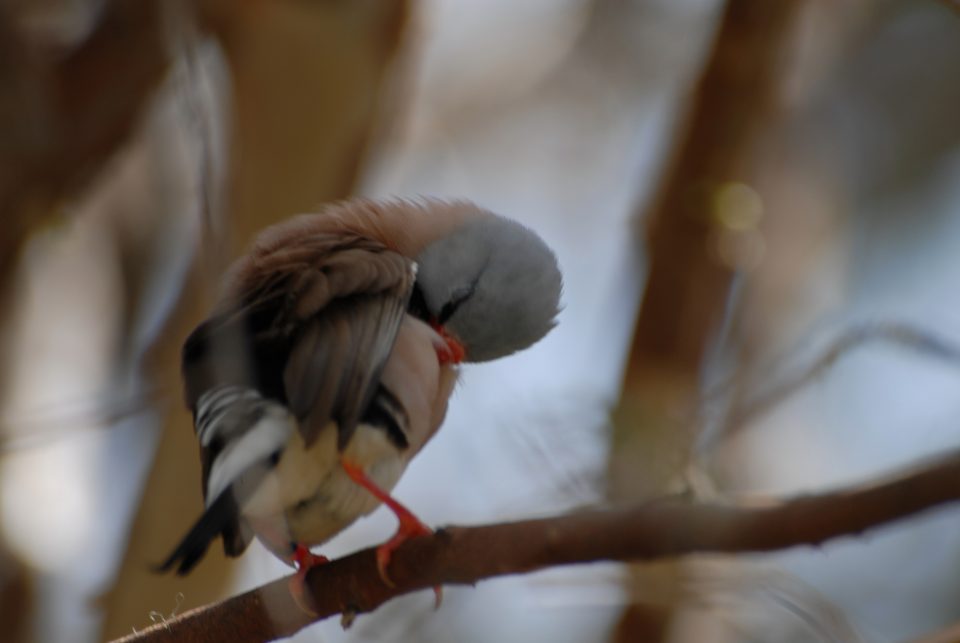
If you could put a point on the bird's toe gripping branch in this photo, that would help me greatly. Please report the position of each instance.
(410, 526)
(304, 561)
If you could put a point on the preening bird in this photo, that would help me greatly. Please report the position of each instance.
(327, 363)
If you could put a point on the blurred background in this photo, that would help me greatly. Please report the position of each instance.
(740, 193)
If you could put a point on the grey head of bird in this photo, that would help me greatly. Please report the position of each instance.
(492, 284)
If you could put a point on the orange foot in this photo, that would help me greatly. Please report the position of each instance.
(304, 561)
(410, 526)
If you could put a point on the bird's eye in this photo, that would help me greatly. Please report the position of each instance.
(418, 304)
(447, 311)
(458, 297)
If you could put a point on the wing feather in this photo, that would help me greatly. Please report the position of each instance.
(309, 324)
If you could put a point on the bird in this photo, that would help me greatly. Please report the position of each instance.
(329, 358)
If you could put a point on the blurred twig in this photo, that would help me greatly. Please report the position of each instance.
(44, 426)
(949, 634)
(746, 410)
(653, 530)
(955, 5)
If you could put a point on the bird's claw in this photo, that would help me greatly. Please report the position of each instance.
(410, 525)
(304, 561)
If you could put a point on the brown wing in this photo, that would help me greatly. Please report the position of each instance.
(309, 323)
(353, 313)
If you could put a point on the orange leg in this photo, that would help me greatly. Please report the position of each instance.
(410, 526)
(304, 561)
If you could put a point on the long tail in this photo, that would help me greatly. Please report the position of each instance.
(219, 516)
(242, 435)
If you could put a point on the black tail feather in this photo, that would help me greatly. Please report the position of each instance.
(218, 516)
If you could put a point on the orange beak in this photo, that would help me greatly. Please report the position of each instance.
(455, 352)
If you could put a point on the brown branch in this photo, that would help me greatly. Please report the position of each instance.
(949, 634)
(653, 530)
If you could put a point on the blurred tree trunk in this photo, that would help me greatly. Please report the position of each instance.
(699, 234)
(62, 115)
(307, 83)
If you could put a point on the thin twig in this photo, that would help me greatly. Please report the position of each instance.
(654, 530)
(61, 420)
(917, 339)
(952, 4)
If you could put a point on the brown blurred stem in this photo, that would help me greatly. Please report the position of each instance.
(949, 634)
(736, 99)
(953, 4)
(735, 104)
(64, 117)
(653, 530)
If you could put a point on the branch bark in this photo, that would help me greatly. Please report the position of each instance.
(659, 529)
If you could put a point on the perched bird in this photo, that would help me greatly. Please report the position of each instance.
(329, 358)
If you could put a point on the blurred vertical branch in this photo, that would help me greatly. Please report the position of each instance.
(62, 116)
(306, 82)
(953, 4)
(736, 101)
(306, 89)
